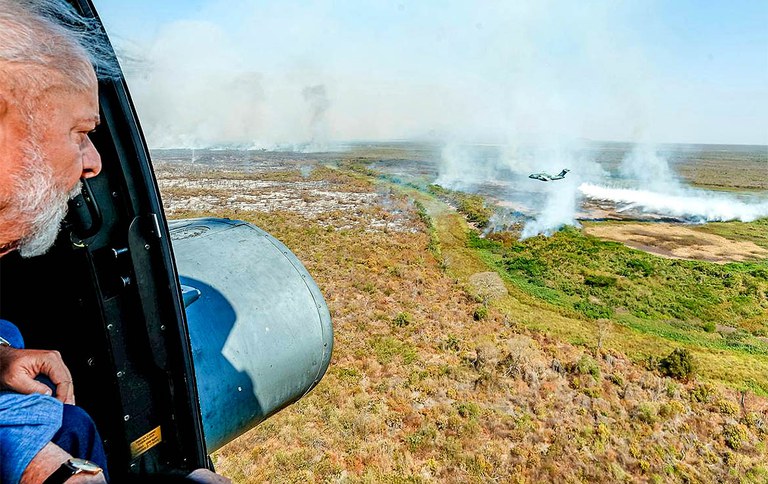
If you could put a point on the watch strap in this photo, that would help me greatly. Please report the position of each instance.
(63, 473)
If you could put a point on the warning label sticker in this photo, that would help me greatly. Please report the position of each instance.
(146, 442)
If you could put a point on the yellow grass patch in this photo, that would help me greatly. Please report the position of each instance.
(678, 242)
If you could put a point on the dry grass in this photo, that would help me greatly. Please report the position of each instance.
(444, 397)
(679, 242)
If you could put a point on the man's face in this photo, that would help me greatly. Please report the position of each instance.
(64, 119)
(45, 157)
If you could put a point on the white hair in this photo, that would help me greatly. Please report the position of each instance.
(41, 37)
(44, 44)
(38, 203)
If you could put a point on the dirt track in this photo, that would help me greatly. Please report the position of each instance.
(678, 241)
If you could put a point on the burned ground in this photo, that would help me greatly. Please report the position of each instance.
(432, 382)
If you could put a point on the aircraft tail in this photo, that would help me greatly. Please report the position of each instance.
(562, 173)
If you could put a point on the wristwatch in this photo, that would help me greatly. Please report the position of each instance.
(70, 468)
(4, 342)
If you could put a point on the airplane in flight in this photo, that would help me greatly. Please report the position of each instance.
(547, 177)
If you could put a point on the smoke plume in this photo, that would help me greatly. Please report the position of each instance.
(695, 206)
(205, 74)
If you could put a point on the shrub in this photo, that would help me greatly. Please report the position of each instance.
(480, 313)
(452, 343)
(523, 359)
(421, 211)
(586, 365)
(593, 311)
(468, 409)
(402, 319)
(597, 280)
(736, 339)
(616, 379)
(421, 438)
(678, 364)
(702, 393)
(474, 241)
(734, 435)
(592, 392)
(671, 409)
(639, 266)
(672, 389)
(473, 206)
(645, 413)
(755, 421)
(487, 286)
(727, 407)
(530, 266)
(386, 349)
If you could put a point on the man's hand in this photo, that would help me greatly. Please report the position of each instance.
(18, 369)
(204, 476)
(48, 461)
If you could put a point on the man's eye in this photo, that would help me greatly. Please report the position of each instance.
(82, 137)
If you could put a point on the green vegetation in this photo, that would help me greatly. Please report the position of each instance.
(472, 206)
(678, 299)
(546, 387)
(387, 349)
(735, 435)
(480, 313)
(402, 319)
(756, 231)
(586, 365)
(678, 364)
(434, 242)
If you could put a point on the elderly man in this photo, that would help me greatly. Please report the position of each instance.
(48, 106)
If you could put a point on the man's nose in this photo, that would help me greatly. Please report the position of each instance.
(91, 160)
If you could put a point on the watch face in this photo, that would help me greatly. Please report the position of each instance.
(85, 466)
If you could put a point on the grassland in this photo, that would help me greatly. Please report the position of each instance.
(544, 382)
(756, 232)
(711, 309)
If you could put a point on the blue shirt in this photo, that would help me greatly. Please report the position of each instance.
(27, 422)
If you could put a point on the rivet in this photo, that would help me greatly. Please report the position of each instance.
(120, 374)
(146, 246)
(126, 417)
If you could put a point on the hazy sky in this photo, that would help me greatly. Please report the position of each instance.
(265, 73)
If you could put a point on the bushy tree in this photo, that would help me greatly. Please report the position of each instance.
(678, 364)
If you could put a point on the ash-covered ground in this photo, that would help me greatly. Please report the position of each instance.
(235, 181)
(674, 186)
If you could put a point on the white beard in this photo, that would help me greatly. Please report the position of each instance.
(40, 203)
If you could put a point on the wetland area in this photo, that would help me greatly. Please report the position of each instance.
(473, 351)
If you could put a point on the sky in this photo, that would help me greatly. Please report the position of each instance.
(265, 74)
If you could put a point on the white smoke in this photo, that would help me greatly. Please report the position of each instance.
(695, 206)
(462, 167)
(559, 210)
(647, 167)
(656, 189)
(318, 103)
(643, 182)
